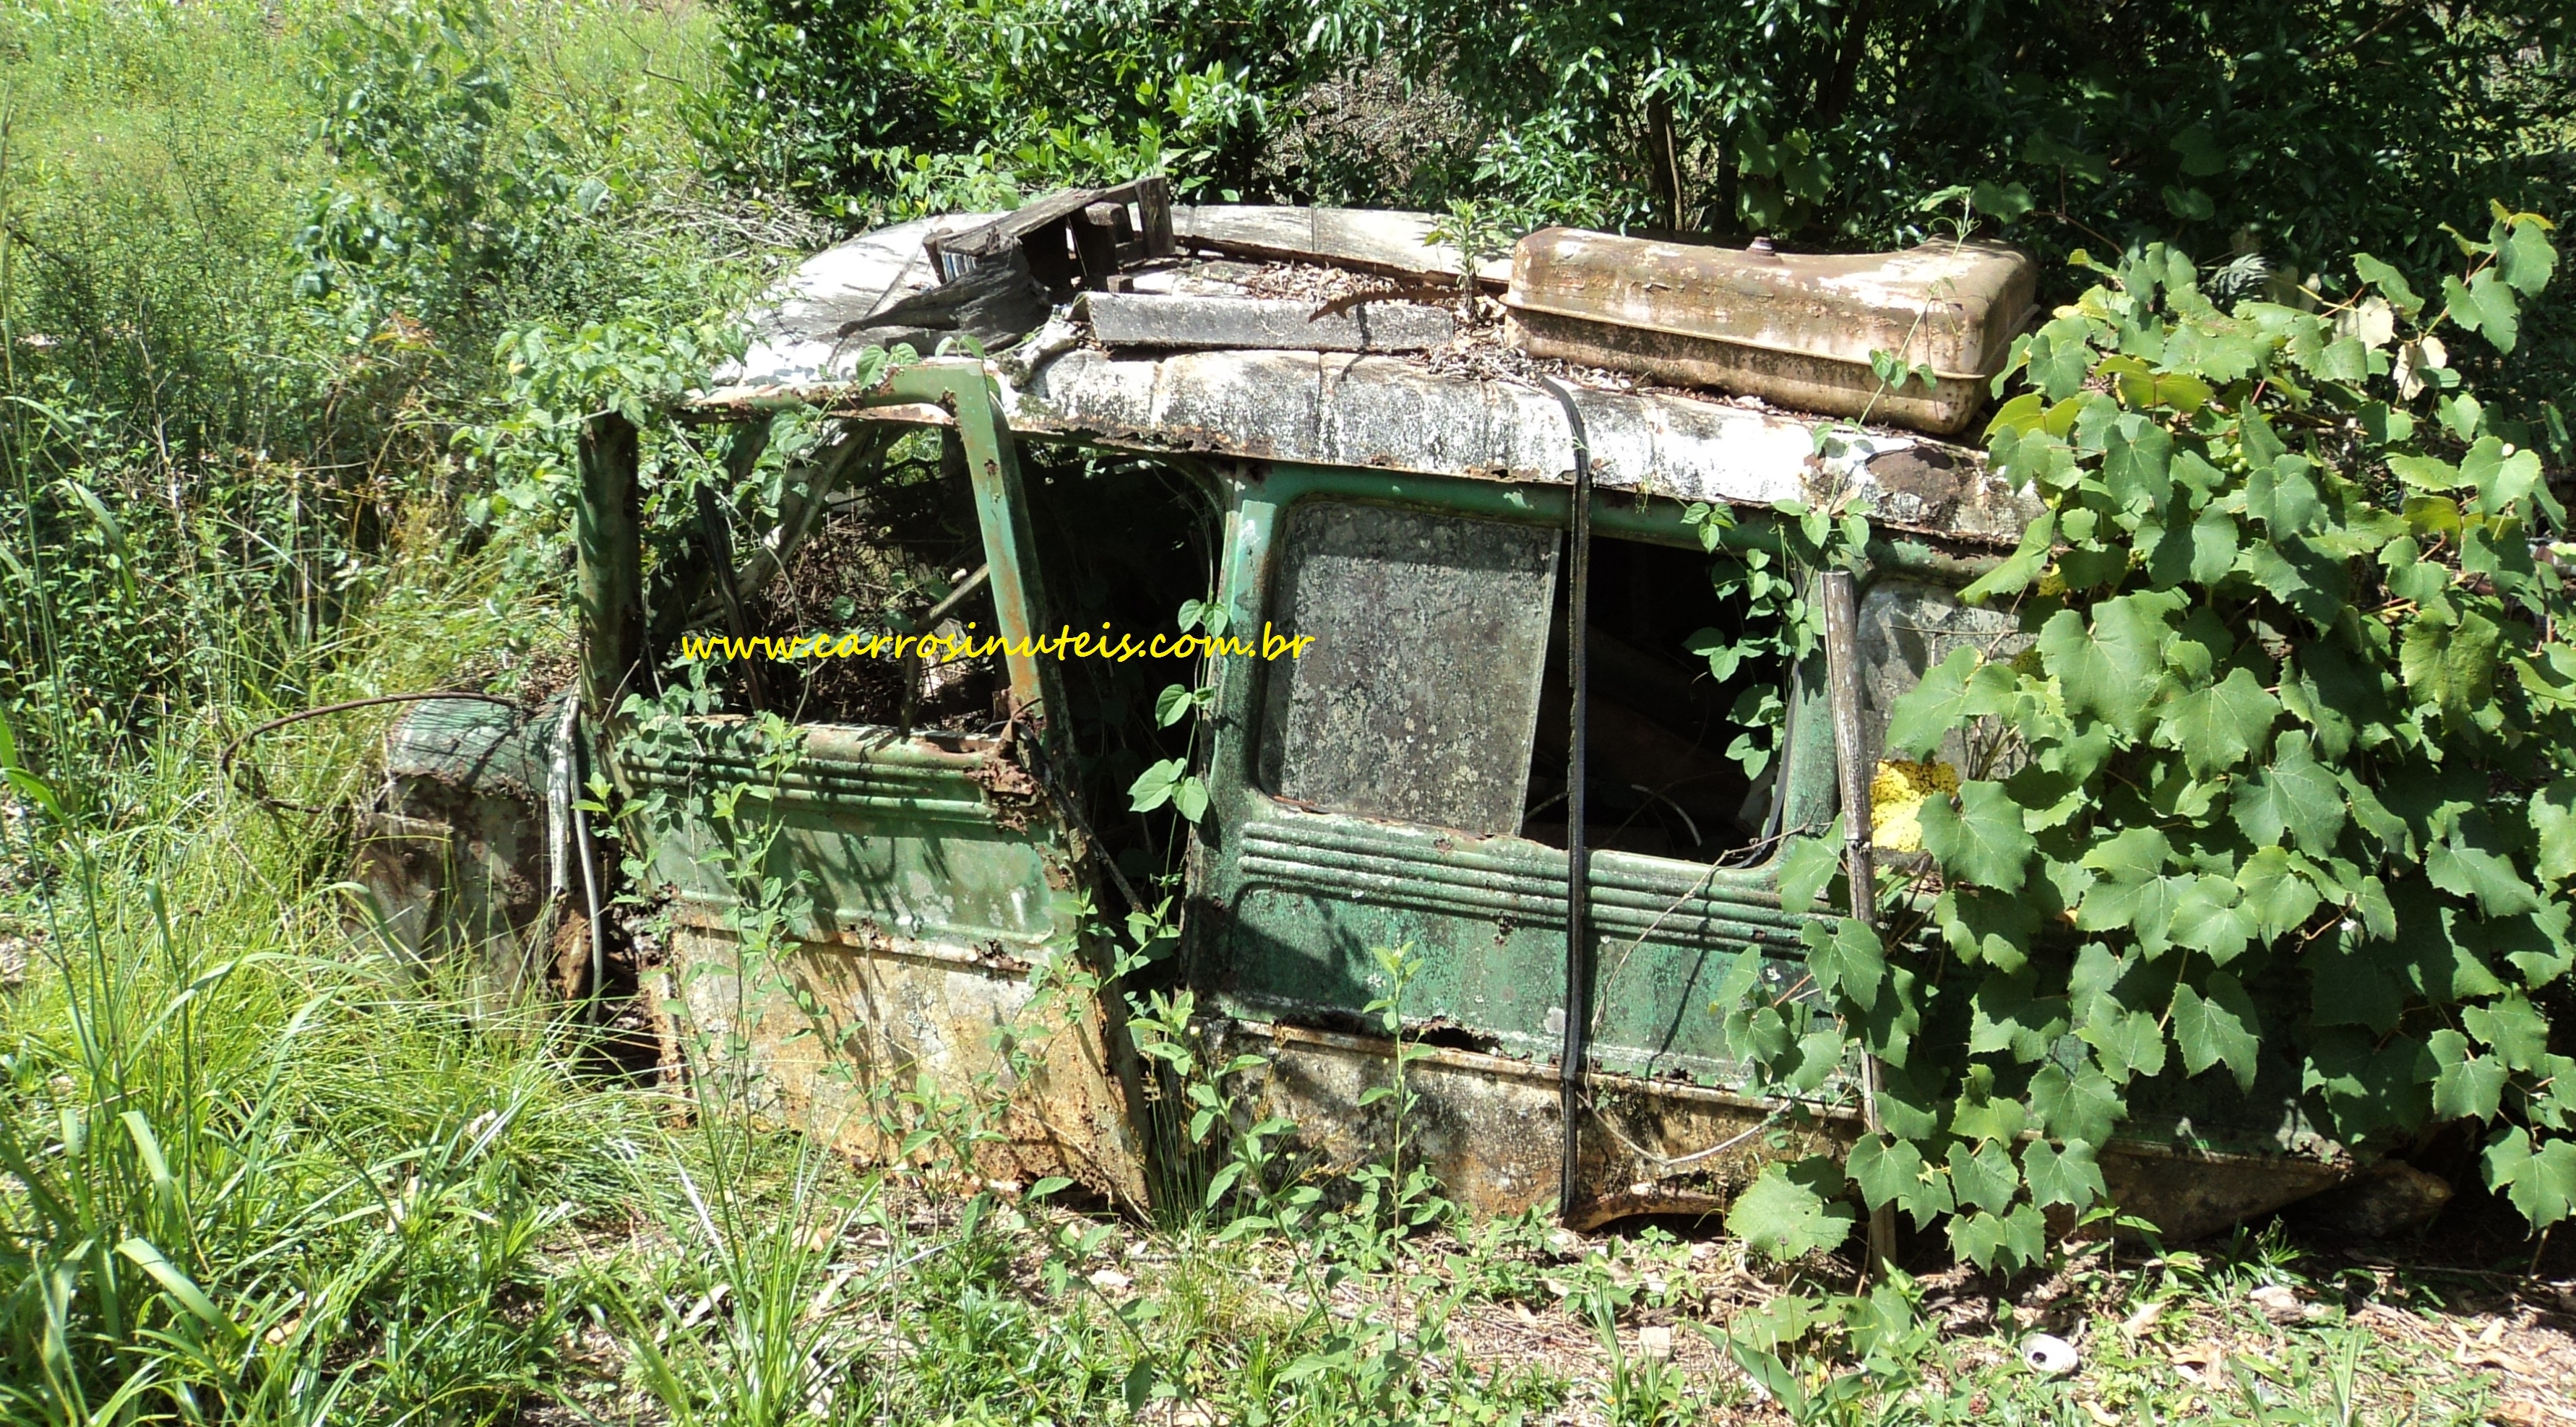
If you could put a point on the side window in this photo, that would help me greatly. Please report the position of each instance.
(1683, 762)
(1418, 697)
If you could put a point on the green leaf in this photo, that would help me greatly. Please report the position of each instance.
(2002, 202)
(2137, 462)
(1757, 1032)
(2007, 1014)
(2390, 282)
(1846, 959)
(2200, 553)
(1983, 1116)
(1992, 927)
(2129, 1043)
(1784, 1319)
(2115, 670)
(2485, 306)
(1891, 1170)
(2553, 817)
(2208, 918)
(1190, 797)
(178, 1285)
(1789, 1212)
(2501, 479)
(2464, 870)
(2219, 727)
(2293, 795)
(2432, 515)
(1155, 786)
(1982, 839)
(2144, 909)
(1171, 706)
(1984, 1177)
(1807, 864)
(2524, 257)
(1905, 1105)
(2060, 358)
(2136, 855)
(2025, 564)
(2284, 497)
(2280, 897)
(2066, 1176)
(2537, 945)
(1923, 715)
(2013, 1241)
(2470, 1086)
(2219, 1027)
(1820, 1054)
(2201, 155)
(2366, 1085)
(2512, 1028)
(2188, 203)
(2081, 1104)
(2542, 1183)
(2425, 473)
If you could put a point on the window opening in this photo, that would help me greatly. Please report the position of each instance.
(1123, 543)
(1662, 781)
(889, 555)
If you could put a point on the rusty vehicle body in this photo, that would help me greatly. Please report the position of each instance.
(1383, 790)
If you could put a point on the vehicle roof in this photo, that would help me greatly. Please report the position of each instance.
(1352, 409)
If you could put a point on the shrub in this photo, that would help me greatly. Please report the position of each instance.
(2285, 790)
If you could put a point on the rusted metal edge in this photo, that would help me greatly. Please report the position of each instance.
(706, 913)
(846, 400)
(1545, 1073)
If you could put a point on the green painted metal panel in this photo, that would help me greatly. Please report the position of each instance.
(1293, 901)
(910, 842)
(898, 842)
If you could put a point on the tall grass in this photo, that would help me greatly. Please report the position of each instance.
(248, 1172)
(214, 417)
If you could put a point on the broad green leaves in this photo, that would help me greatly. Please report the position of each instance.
(2484, 306)
(2114, 670)
(2540, 1180)
(2218, 727)
(2294, 800)
(1790, 1210)
(1981, 839)
(1169, 781)
(2281, 782)
(2218, 1028)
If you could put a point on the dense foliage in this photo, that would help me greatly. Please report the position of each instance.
(2279, 789)
(2267, 140)
(254, 264)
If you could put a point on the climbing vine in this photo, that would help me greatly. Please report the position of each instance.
(2281, 800)
(1765, 572)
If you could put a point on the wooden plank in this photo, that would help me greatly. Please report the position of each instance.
(1096, 231)
(1375, 240)
(1144, 320)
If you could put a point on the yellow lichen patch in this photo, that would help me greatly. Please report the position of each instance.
(1896, 795)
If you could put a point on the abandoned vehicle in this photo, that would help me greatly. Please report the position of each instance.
(1330, 425)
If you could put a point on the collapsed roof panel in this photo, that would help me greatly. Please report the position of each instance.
(1404, 413)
